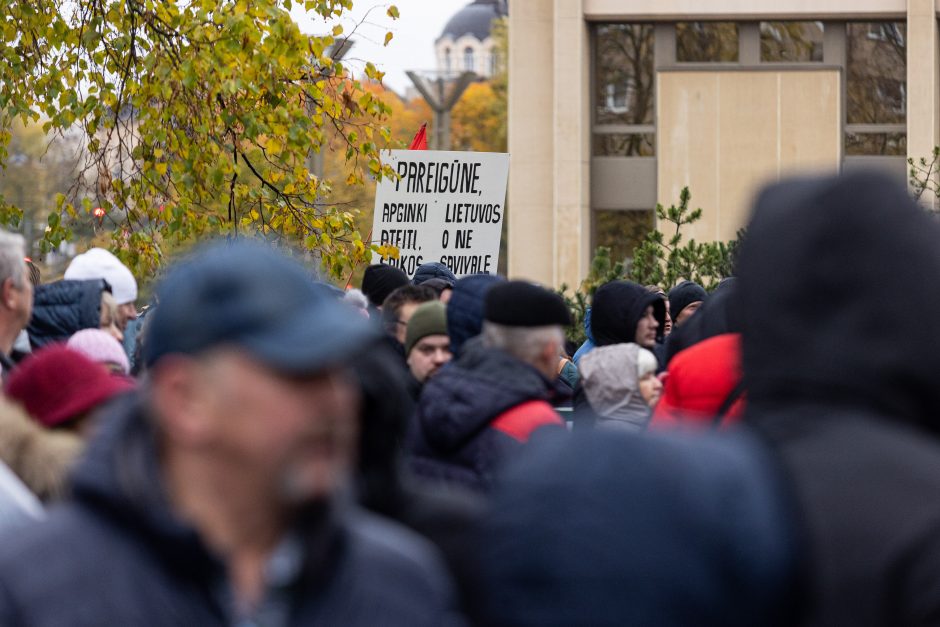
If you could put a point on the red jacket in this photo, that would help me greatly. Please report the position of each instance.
(700, 379)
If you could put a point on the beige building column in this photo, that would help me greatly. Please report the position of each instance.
(549, 142)
(572, 129)
(923, 80)
(531, 140)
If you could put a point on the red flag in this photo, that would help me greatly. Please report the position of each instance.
(420, 142)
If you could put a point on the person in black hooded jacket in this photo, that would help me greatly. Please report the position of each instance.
(835, 276)
(717, 315)
(623, 312)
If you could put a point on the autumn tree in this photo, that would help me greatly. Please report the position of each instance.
(478, 120)
(35, 173)
(196, 117)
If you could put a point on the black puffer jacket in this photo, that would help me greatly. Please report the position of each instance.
(835, 278)
(476, 413)
(63, 308)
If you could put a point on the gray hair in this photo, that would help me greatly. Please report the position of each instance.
(523, 343)
(12, 258)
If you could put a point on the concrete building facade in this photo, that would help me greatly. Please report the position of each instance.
(616, 105)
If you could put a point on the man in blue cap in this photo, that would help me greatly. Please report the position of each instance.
(216, 496)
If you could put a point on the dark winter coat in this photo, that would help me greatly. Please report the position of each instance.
(62, 308)
(125, 559)
(718, 315)
(611, 529)
(386, 487)
(475, 414)
(837, 280)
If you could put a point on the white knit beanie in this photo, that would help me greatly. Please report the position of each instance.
(98, 263)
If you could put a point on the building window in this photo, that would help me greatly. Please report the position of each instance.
(791, 42)
(707, 42)
(621, 231)
(468, 64)
(624, 145)
(623, 77)
(447, 64)
(884, 144)
(876, 88)
(494, 63)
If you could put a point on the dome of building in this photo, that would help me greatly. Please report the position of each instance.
(475, 19)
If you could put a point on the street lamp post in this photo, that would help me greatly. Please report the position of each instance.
(441, 94)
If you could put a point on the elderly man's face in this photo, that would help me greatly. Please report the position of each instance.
(292, 435)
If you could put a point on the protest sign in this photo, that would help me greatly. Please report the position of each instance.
(445, 206)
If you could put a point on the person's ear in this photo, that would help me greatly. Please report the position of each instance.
(549, 356)
(179, 395)
(8, 289)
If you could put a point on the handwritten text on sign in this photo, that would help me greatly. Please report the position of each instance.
(446, 206)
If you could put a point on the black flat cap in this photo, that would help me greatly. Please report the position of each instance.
(523, 304)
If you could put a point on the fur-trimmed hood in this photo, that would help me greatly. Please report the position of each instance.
(41, 458)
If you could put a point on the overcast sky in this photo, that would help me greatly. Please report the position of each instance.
(411, 48)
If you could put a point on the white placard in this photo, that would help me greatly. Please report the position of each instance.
(446, 206)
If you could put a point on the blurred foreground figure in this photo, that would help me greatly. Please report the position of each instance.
(617, 529)
(843, 379)
(216, 496)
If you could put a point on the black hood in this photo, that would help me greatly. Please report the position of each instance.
(617, 308)
(838, 279)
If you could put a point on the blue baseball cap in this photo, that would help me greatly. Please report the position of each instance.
(246, 294)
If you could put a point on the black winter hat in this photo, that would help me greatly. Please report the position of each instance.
(380, 280)
(683, 295)
(618, 307)
(523, 304)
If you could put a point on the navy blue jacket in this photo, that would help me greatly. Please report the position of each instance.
(63, 308)
(610, 529)
(117, 555)
(476, 413)
(465, 308)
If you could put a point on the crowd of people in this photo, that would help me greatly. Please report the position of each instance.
(256, 447)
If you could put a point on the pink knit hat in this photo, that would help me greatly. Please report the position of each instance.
(100, 346)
